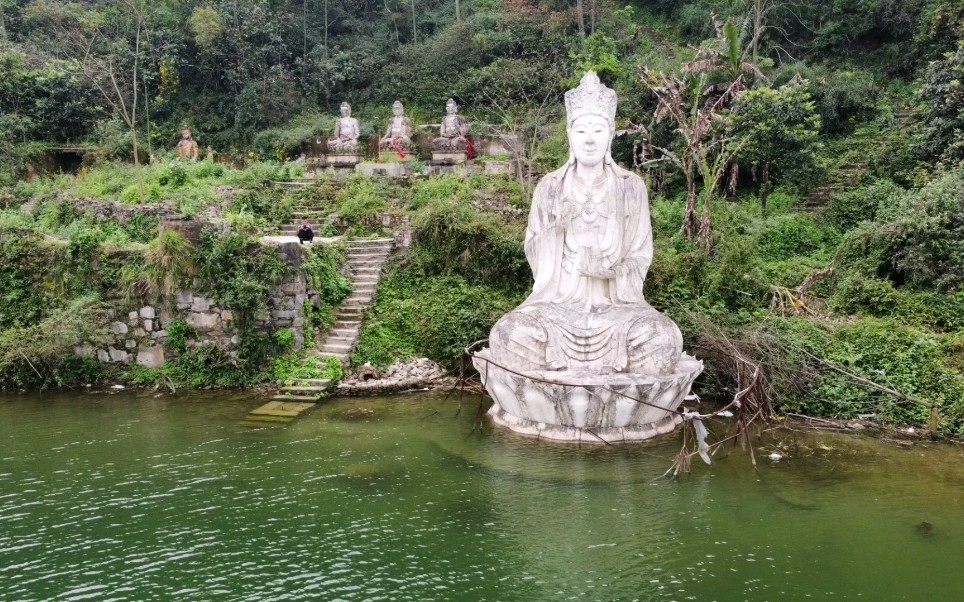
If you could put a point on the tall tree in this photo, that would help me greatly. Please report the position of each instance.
(106, 46)
(581, 19)
(697, 103)
(414, 25)
(3, 25)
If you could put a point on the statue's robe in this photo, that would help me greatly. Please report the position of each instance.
(576, 322)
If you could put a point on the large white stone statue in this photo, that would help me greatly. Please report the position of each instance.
(585, 358)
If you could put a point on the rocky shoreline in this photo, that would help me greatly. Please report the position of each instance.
(416, 374)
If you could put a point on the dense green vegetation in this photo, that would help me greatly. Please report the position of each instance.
(804, 161)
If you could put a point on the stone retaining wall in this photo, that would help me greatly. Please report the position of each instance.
(140, 332)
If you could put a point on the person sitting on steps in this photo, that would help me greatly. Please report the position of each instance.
(305, 233)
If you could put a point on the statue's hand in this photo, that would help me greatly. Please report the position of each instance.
(591, 266)
(600, 274)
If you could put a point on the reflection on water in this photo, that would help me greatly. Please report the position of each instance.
(131, 497)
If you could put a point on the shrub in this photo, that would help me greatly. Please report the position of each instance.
(848, 208)
(787, 236)
(432, 316)
(178, 332)
(902, 358)
(238, 272)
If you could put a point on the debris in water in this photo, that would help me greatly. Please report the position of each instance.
(118, 387)
(775, 456)
(925, 529)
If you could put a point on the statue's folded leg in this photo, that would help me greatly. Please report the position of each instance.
(655, 344)
(518, 342)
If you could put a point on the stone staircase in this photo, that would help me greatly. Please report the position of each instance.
(305, 390)
(296, 184)
(315, 217)
(845, 177)
(366, 258)
(290, 401)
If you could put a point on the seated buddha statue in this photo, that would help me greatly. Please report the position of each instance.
(589, 243)
(453, 130)
(187, 147)
(347, 130)
(399, 131)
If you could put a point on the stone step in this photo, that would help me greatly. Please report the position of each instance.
(343, 332)
(289, 185)
(359, 258)
(284, 407)
(371, 241)
(336, 349)
(355, 305)
(339, 340)
(347, 324)
(366, 268)
(369, 248)
(307, 390)
(342, 357)
(313, 382)
(366, 254)
(366, 263)
(309, 398)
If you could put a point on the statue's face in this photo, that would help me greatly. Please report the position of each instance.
(451, 108)
(345, 111)
(398, 110)
(185, 133)
(589, 138)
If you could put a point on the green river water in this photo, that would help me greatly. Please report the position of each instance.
(133, 497)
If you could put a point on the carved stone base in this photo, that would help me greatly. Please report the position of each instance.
(448, 157)
(343, 160)
(594, 408)
(602, 436)
(393, 170)
(437, 169)
(498, 167)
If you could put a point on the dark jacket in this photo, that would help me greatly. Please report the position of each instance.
(305, 234)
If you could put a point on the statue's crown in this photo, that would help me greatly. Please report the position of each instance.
(592, 97)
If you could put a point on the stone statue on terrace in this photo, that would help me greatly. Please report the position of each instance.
(453, 131)
(399, 133)
(187, 147)
(556, 365)
(347, 131)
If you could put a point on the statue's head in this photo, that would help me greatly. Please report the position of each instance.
(590, 120)
(345, 109)
(185, 132)
(451, 107)
(398, 108)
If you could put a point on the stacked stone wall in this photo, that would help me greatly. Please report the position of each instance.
(140, 331)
